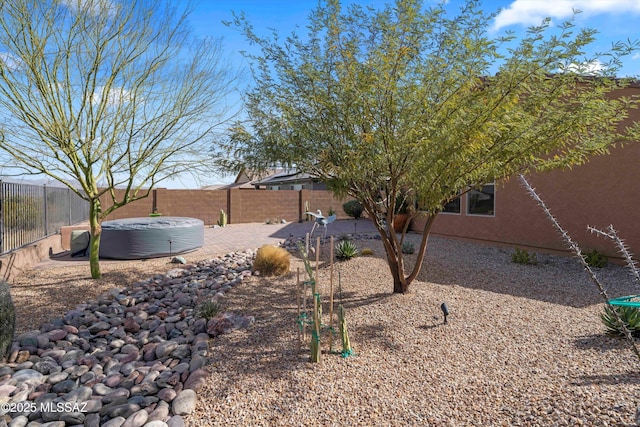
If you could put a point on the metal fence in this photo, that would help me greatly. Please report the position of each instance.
(31, 212)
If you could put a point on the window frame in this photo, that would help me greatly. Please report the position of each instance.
(468, 207)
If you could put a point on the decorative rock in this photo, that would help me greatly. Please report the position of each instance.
(137, 419)
(114, 422)
(184, 403)
(133, 348)
(92, 420)
(19, 421)
(124, 410)
(28, 376)
(178, 260)
(165, 348)
(176, 421)
(196, 380)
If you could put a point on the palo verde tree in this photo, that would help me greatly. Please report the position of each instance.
(109, 94)
(407, 104)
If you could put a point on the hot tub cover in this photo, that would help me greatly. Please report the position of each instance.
(136, 238)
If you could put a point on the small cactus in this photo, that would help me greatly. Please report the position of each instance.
(223, 218)
(7, 319)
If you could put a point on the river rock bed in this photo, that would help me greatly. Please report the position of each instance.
(134, 357)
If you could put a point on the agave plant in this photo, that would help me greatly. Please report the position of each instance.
(346, 249)
(408, 248)
(629, 315)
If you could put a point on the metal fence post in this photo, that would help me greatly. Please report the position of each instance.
(1, 217)
(46, 219)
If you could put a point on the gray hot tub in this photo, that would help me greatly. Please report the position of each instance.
(136, 238)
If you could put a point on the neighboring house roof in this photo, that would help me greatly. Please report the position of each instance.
(286, 177)
(246, 179)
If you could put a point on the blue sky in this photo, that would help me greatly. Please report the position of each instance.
(615, 20)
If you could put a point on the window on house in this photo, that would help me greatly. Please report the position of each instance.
(481, 201)
(452, 207)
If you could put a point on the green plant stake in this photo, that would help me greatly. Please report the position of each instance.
(344, 333)
(7, 319)
(222, 221)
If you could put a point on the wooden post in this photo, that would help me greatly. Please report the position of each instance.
(306, 243)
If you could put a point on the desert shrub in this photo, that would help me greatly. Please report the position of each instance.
(23, 212)
(272, 261)
(366, 252)
(353, 208)
(408, 248)
(629, 315)
(595, 258)
(521, 256)
(346, 249)
(7, 319)
(207, 309)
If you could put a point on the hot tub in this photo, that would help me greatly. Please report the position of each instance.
(136, 238)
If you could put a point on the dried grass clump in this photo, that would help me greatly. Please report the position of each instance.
(272, 261)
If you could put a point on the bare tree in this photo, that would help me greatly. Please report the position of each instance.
(108, 93)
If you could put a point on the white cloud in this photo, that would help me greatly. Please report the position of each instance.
(636, 56)
(532, 12)
(591, 68)
(11, 62)
(116, 96)
(93, 7)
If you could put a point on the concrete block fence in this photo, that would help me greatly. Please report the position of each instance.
(241, 206)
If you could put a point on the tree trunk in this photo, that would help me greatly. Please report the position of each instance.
(95, 222)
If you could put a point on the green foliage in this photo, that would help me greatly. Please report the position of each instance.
(630, 316)
(272, 261)
(331, 211)
(595, 258)
(366, 252)
(7, 319)
(410, 100)
(346, 249)
(207, 309)
(23, 212)
(408, 248)
(521, 256)
(353, 208)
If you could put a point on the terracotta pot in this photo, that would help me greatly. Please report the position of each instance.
(399, 221)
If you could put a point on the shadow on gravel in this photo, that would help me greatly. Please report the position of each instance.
(555, 279)
(628, 377)
(336, 228)
(270, 346)
(603, 343)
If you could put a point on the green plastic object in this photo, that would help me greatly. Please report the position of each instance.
(628, 301)
(153, 215)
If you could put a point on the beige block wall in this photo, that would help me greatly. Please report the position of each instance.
(601, 192)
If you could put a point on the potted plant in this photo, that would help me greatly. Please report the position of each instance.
(402, 211)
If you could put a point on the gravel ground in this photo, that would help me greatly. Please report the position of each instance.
(523, 346)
